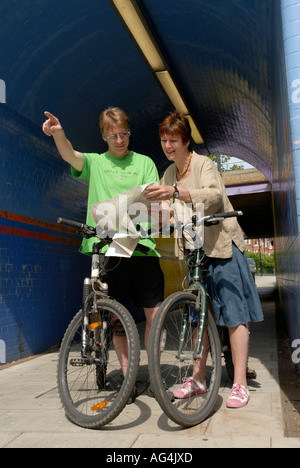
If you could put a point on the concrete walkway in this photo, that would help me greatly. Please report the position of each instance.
(31, 415)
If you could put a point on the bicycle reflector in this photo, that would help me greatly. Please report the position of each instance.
(94, 325)
(99, 406)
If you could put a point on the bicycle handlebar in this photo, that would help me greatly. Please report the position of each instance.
(68, 222)
(208, 220)
(84, 229)
(229, 214)
(89, 231)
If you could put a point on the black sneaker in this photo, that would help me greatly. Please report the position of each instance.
(151, 394)
(132, 396)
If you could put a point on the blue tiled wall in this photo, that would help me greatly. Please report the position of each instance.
(41, 270)
(286, 174)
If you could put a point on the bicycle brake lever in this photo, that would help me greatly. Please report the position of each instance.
(88, 232)
(211, 223)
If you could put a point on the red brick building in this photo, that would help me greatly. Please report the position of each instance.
(265, 246)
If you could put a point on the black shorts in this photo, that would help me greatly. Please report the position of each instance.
(137, 281)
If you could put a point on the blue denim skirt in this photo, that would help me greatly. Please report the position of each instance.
(232, 290)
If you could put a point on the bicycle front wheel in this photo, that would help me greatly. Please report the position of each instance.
(172, 346)
(94, 391)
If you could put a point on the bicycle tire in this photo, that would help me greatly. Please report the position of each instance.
(80, 387)
(166, 370)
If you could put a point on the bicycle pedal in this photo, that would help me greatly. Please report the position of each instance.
(77, 362)
(251, 374)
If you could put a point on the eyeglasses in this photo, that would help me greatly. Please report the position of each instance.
(114, 136)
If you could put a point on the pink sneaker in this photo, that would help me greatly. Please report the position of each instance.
(239, 397)
(190, 388)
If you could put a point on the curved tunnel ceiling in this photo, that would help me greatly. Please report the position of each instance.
(75, 58)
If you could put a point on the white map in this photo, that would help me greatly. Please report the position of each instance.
(121, 215)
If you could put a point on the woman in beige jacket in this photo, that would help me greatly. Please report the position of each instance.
(194, 179)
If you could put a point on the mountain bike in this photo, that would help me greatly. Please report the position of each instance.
(94, 386)
(183, 335)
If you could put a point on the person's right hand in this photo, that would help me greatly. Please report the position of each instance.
(51, 125)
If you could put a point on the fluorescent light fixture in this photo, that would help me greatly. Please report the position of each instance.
(140, 33)
(133, 20)
(195, 132)
(169, 86)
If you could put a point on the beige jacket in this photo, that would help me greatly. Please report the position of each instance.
(206, 186)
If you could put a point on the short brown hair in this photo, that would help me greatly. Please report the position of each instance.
(111, 117)
(176, 124)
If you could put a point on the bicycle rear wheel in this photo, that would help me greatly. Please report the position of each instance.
(168, 366)
(94, 391)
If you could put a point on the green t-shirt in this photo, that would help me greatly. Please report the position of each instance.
(109, 176)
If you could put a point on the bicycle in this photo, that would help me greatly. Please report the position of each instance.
(184, 332)
(91, 384)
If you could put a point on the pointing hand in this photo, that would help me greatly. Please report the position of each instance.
(51, 125)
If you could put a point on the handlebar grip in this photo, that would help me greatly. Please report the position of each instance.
(216, 218)
(229, 214)
(70, 223)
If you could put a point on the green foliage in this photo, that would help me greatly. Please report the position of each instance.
(265, 261)
(224, 160)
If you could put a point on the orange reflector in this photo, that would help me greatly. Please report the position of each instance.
(99, 406)
(94, 325)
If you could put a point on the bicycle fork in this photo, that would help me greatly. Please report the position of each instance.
(89, 298)
(85, 353)
(200, 307)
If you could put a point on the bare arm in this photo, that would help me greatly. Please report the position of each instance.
(52, 127)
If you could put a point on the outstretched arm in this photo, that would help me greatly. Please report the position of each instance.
(52, 127)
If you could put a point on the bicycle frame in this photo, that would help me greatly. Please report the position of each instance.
(197, 279)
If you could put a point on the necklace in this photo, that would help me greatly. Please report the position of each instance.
(186, 168)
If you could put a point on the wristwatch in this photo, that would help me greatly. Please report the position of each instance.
(176, 192)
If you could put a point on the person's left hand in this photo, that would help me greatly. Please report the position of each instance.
(159, 192)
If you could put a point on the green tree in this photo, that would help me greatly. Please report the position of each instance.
(224, 161)
(266, 262)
